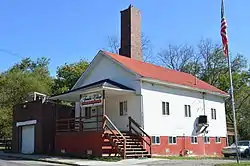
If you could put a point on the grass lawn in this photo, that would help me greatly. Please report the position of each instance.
(234, 164)
(110, 159)
(187, 158)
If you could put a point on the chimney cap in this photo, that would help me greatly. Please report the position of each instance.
(129, 7)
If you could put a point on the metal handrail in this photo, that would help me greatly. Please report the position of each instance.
(139, 127)
(118, 131)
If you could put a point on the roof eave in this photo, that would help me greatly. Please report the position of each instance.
(122, 65)
(151, 80)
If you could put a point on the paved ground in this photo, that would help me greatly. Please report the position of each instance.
(186, 162)
(7, 161)
(16, 161)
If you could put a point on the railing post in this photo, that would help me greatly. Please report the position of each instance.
(68, 126)
(129, 119)
(150, 148)
(80, 124)
(80, 117)
(104, 123)
(124, 149)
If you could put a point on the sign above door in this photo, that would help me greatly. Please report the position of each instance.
(91, 100)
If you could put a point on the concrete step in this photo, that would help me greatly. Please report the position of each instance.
(134, 149)
(137, 152)
(130, 143)
(138, 155)
(132, 146)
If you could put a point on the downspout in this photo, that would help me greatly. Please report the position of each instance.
(141, 110)
(204, 109)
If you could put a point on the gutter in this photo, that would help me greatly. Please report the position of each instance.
(150, 80)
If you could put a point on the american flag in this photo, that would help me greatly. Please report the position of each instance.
(223, 30)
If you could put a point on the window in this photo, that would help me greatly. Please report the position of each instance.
(171, 140)
(206, 140)
(187, 111)
(123, 108)
(213, 113)
(194, 140)
(217, 139)
(155, 140)
(165, 108)
(87, 112)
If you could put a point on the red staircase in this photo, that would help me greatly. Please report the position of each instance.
(134, 146)
(125, 144)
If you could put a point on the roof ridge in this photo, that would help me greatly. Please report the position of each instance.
(149, 70)
(148, 63)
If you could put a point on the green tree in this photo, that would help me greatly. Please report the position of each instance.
(15, 84)
(67, 75)
(207, 62)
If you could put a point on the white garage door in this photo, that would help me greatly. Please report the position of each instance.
(28, 139)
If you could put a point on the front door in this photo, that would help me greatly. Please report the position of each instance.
(91, 117)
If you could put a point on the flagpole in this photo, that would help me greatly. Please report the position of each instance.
(225, 50)
(233, 106)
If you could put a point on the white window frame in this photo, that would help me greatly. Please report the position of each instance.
(154, 140)
(172, 140)
(193, 138)
(216, 140)
(124, 108)
(213, 114)
(205, 140)
(165, 108)
(187, 111)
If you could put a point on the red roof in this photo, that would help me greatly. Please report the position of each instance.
(163, 74)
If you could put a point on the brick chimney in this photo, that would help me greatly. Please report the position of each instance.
(131, 33)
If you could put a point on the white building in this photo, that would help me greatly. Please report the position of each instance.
(178, 111)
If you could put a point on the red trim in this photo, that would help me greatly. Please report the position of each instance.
(164, 148)
(91, 102)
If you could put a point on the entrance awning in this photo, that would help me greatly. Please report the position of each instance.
(110, 87)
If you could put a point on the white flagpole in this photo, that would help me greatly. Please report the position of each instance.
(233, 107)
(231, 86)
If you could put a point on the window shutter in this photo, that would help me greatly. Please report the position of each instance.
(186, 111)
(157, 140)
(163, 108)
(167, 109)
(189, 110)
(214, 113)
(121, 108)
(125, 111)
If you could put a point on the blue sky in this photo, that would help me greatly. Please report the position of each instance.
(68, 30)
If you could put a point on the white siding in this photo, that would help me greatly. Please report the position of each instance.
(176, 123)
(133, 106)
(104, 68)
(216, 127)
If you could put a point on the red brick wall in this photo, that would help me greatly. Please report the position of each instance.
(79, 142)
(185, 143)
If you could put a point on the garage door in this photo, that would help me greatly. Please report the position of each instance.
(28, 139)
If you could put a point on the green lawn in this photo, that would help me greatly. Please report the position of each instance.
(234, 164)
(110, 159)
(186, 158)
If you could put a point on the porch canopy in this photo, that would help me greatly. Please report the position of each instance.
(111, 88)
